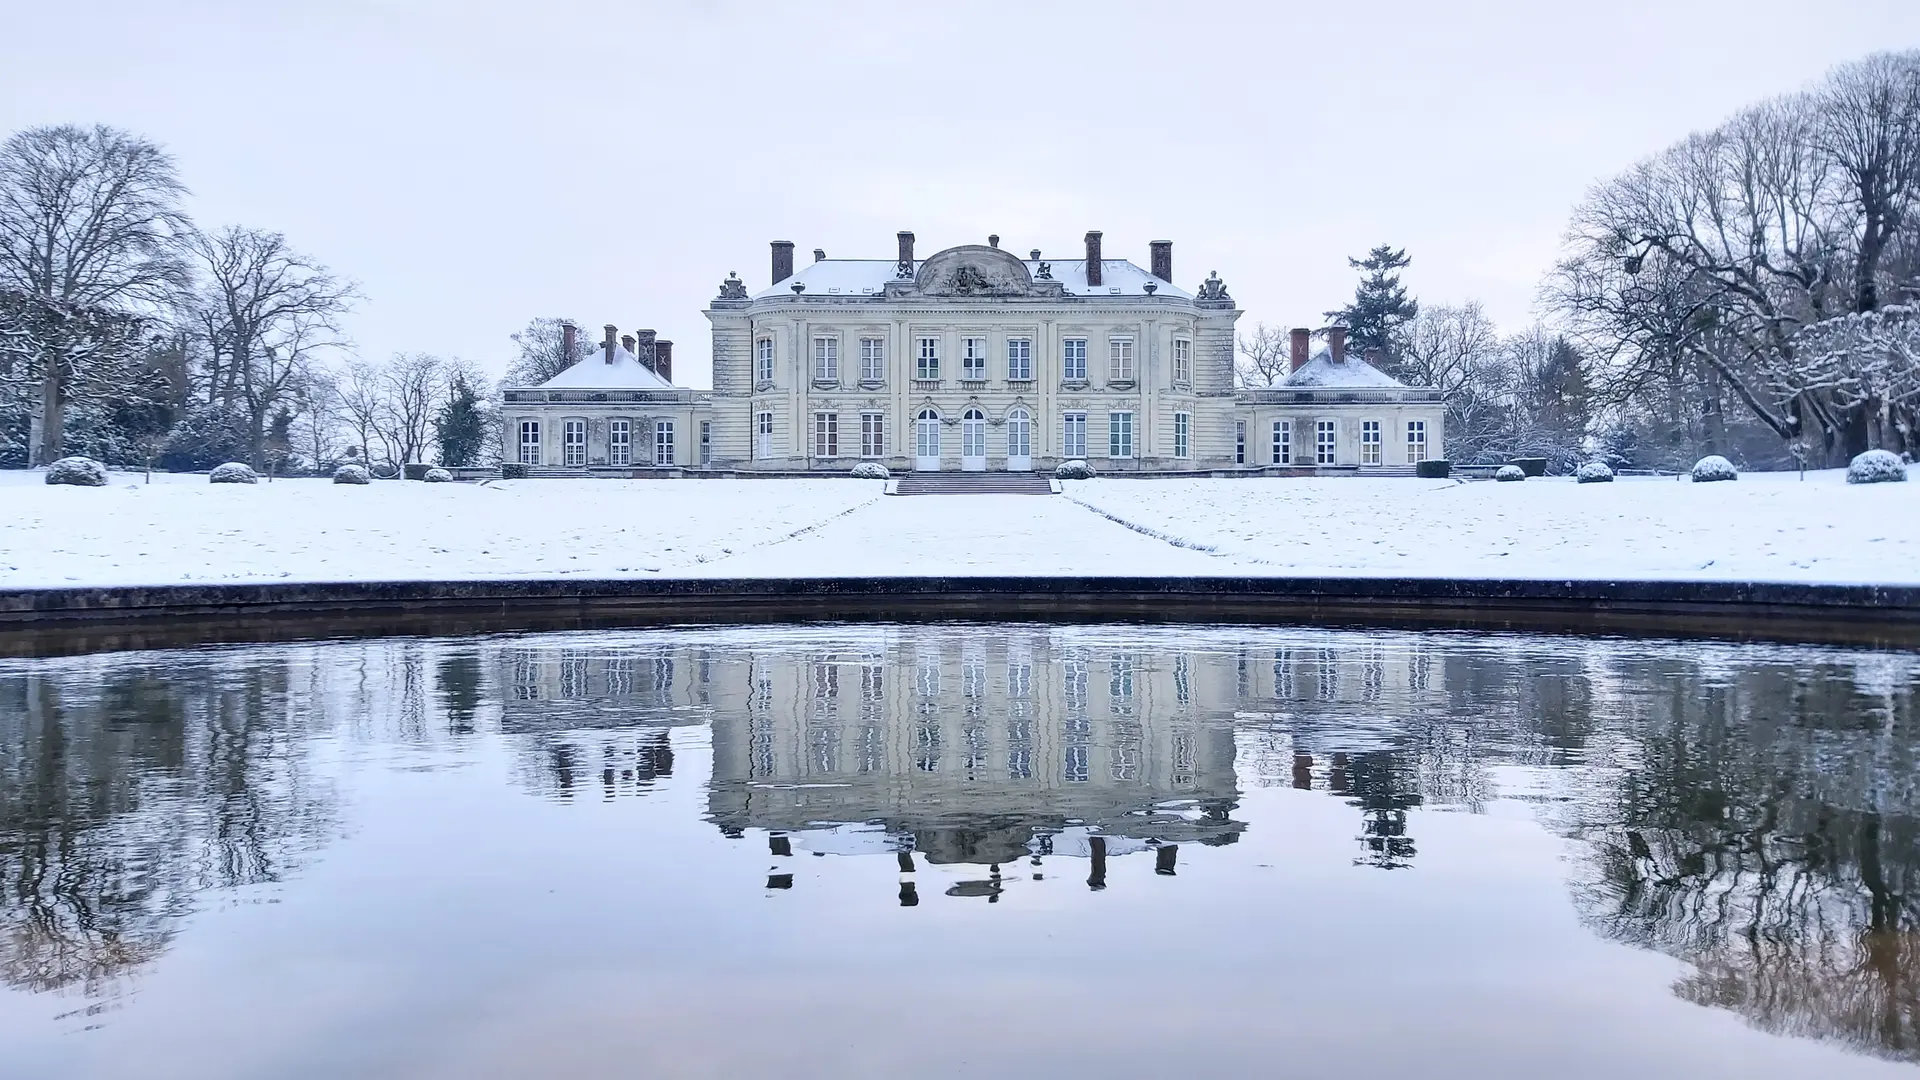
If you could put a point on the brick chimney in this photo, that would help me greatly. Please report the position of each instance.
(819, 254)
(626, 342)
(610, 344)
(663, 359)
(569, 340)
(1162, 263)
(645, 350)
(1302, 340)
(1337, 343)
(782, 260)
(906, 248)
(1093, 257)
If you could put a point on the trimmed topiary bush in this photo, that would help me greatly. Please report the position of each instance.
(352, 474)
(438, 476)
(1532, 466)
(1433, 469)
(513, 470)
(1712, 468)
(415, 470)
(1594, 472)
(1073, 470)
(1872, 467)
(77, 471)
(869, 470)
(233, 472)
(1508, 474)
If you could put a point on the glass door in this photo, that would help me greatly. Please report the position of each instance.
(926, 441)
(1019, 441)
(973, 441)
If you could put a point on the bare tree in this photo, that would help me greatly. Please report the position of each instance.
(321, 411)
(362, 404)
(1869, 127)
(1265, 356)
(411, 386)
(543, 352)
(89, 218)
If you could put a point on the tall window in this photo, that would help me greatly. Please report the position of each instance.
(973, 358)
(1416, 441)
(1369, 442)
(1323, 442)
(1182, 434)
(529, 442)
(663, 443)
(1019, 359)
(1073, 359)
(763, 360)
(706, 442)
(873, 359)
(1182, 361)
(619, 442)
(573, 442)
(1119, 434)
(1073, 435)
(826, 435)
(826, 358)
(873, 434)
(1239, 442)
(763, 435)
(927, 366)
(1283, 442)
(1019, 434)
(1120, 358)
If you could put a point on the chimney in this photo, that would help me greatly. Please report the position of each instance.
(663, 359)
(1036, 255)
(993, 240)
(782, 260)
(608, 346)
(1162, 262)
(569, 340)
(1337, 343)
(819, 254)
(1302, 340)
(626, 342)
(645, 350)
(906, 248)
(1093, 257)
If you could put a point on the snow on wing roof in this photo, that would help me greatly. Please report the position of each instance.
(1355, 372)
(855, 277)
(594, 373)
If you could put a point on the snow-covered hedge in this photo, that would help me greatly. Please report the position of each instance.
(1872, 467)
(1507, 474)
(1073, 470)
(869, 470)
(1433, 469)
(437, 476)
(513, 470)
(78, 471)
(1594, 472)
(1714, 467)
(233, 472)
(352, 474)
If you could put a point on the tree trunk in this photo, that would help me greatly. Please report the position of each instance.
(52, 414)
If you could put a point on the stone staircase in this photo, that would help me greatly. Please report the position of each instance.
(973, 483)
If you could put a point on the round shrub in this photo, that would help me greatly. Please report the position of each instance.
(1872, 467)
(437, 476)
(1714, 467)
(1594, 472)
(869, 470)
(1073, 470)
(78, 471)
(1508, 474)
(513, 470)
(352, 474)
(233, 472)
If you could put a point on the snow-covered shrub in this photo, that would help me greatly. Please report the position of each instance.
(1532, 466)
(352, 474)
(870, 470)
(1594, 472)
(513, 470)
(1872, 467)
(233, 472)
(437, 476)
(1073, 470)
(415, 470)
(1507, 474)
(1714, 467)
(82, 472)
(1433, 469)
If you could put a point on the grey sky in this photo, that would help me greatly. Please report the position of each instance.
(474, 164)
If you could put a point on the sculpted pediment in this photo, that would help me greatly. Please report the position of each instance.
(972, 270)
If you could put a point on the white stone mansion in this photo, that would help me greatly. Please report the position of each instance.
(972, 359)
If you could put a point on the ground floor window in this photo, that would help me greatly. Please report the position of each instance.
(529, 442)
(1324, 434)
(663, 442)
(763, 435)
(1182, 434)
(619, 442)
(1119, 434)
(1073, 435)
(1416, 441)
(1369, 442)
(573, 441)
(1239, 442)
(873, 434)
(826, 435)
(1019, 434)
(706, 442)
(1283, 442)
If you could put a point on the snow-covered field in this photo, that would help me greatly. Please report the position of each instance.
(181, 528)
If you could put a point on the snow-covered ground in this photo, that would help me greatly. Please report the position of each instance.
(181, 528)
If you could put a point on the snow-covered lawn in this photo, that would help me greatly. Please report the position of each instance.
(181, 528)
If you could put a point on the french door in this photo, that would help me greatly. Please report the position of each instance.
(926, 441)
(1019, 441)
(973, 441)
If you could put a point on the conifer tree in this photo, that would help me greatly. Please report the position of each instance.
(462, 423)
(1380, 304)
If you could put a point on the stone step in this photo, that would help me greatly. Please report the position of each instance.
(980, 483)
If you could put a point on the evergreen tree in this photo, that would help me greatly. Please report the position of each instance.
(461, 425)
(1380, 305)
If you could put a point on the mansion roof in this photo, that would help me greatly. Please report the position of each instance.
(626, 372)
(870, 277)
(1351, 373)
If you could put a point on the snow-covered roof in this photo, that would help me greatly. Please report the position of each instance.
(856, 277)
(594, 373)
(1351, 372)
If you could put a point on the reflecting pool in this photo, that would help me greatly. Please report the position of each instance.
(926, 850)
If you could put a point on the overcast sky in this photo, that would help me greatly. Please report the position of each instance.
(474, 164)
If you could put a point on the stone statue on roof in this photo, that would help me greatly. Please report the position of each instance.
(733, 288)
(1213, 288)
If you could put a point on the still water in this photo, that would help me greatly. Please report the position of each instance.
(933, 850)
